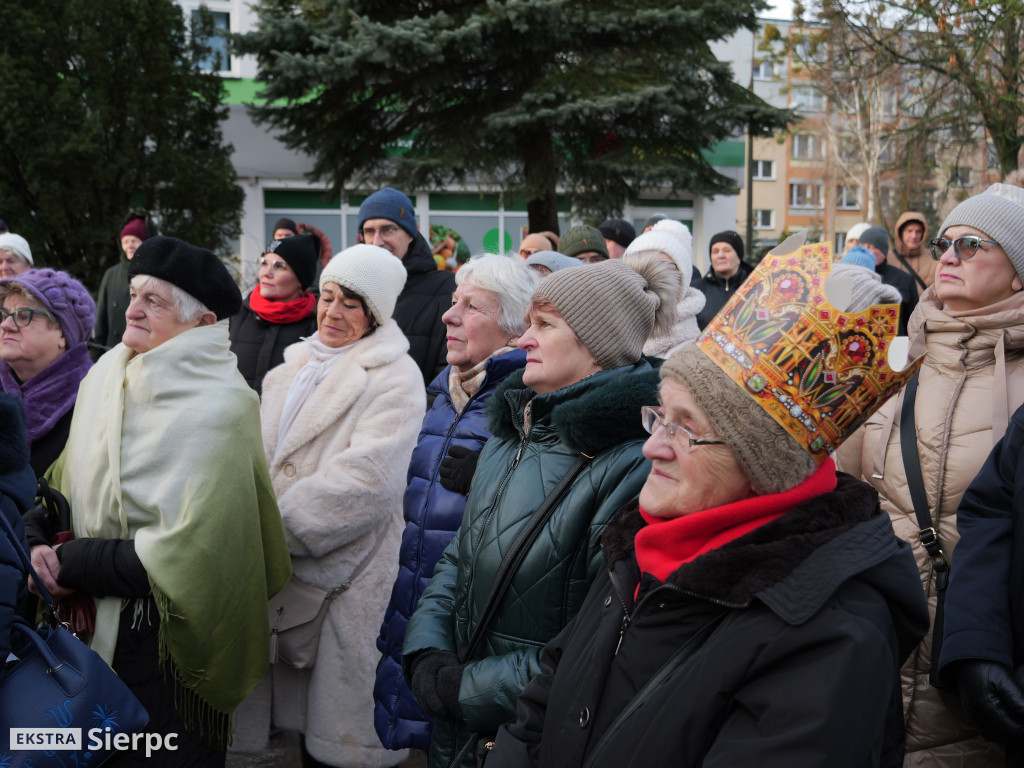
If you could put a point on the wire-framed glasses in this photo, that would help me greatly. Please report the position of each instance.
(652, 418)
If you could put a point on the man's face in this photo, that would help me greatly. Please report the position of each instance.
(879, 255)
(591, 257)
(913, 234)
(388, 235)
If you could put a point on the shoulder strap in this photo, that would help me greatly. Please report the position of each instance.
(911, 270)
(26, 561)
(513, 558)
(915, 482)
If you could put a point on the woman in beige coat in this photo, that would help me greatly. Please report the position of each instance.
(971, 323)
(340, 419)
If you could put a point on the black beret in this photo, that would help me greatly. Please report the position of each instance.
(195, 270)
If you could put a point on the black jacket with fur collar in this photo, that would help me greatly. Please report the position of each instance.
(809, 618)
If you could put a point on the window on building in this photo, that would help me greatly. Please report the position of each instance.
(764, 218)
(764, 170)
(806, 147)
(847, 197)
(849, 149)
(805, 194)
(807, 98)
(222, 16)
(960, 176)
(764, 70)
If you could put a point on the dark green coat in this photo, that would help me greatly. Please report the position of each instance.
(599, 416)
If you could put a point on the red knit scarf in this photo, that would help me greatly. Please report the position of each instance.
(281, 312)
(664, 544)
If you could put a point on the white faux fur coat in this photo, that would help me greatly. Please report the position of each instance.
(339, 477)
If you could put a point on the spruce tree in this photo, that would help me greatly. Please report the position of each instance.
(601, 98)
(104, 107)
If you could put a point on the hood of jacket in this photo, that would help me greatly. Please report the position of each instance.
(899, 246)
(589, 416)
(798, 561)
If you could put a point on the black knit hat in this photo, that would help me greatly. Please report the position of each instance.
(195, 270)
(301, 253)
(618, 231)
(730, 237)
(284, 223)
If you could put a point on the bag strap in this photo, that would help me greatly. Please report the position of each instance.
(513, 558)
(26, 561)
(915, 482)
(910, 269)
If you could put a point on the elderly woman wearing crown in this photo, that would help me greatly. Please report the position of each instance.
(754, 607)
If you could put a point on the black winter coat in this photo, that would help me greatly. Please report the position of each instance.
(17, 487)
(111, 304)
(718, 290)
(426, 296)
(903, 283)
(259, 344)
(808, 619)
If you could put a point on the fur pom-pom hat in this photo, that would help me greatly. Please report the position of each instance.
(614, 306)
(672, 238)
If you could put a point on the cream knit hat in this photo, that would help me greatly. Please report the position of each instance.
(672, 238)
(372, 272)
(614, 306)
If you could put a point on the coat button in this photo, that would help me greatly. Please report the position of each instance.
(607, 601)
(584, 717)
(289, 470)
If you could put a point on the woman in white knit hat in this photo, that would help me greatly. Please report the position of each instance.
(573, 408)
(671, 242)
(340, 419)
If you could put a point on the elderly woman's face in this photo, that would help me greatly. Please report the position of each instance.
(471, 326)
(555, 358)
(986, 278)
(724, 259)
(340, 320)
(151, 315)
(29, 350)
(11, 264)
(685, 479)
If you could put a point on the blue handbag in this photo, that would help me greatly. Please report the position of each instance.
(57, 685)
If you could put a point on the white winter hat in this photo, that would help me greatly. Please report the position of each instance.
(17, 245)
(370, 271)
(854, 232)
(672, 238)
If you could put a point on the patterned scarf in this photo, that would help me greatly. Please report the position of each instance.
(51, 393)
(463, 384)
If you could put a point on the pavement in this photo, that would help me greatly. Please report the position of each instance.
(283, 752)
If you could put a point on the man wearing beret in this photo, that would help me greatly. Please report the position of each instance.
(387, 219)
(177, 536)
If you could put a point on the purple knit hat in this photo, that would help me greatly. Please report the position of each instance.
(61, 295)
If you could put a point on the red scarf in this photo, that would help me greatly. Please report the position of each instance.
(664, 544)
(282, 312)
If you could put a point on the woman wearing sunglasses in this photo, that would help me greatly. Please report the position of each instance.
(971, 325)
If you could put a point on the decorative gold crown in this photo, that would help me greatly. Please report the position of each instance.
(819, 372)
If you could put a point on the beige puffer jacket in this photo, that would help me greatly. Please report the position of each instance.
(971, 381)
(919, 258)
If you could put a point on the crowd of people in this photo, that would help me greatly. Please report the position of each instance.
(579, 505)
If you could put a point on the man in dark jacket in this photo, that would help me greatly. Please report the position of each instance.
(726, 273)
(387, 219)
(982, 652)
(876, 241)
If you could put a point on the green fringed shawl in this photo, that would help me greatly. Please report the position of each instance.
(165, 449)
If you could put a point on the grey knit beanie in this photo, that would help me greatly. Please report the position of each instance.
(876, 236)
(772, 460)
(614, 306)
(999, 213)
(581, 239)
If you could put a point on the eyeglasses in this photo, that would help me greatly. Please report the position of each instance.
(277, 266)
(387, 232)
(23, 317)
(964, 247)
(652, 418)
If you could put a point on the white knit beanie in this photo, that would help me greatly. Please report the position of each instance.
(672, 238)
(370, 271)
(17, 245)
(999, 213)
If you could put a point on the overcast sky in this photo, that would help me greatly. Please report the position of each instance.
(783, 9)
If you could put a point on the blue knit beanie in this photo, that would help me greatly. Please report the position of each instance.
(861, 257)
(392, 205)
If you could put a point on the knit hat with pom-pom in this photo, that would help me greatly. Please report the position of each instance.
(614, 306)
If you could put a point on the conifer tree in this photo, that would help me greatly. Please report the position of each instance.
(600, 98)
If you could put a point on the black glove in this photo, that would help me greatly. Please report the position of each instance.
(992, 699)
(457, 469)
(436, 677)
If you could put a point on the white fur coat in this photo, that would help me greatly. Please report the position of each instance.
(339, 477)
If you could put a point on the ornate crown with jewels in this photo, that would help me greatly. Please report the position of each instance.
(818, 371)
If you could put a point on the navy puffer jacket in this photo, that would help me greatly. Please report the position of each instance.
(432, 516)
(17, 489)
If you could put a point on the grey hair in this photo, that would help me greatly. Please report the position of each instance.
(186, 306)
(508, 278)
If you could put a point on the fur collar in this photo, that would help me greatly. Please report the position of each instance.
(589, 416)
(771, 562)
